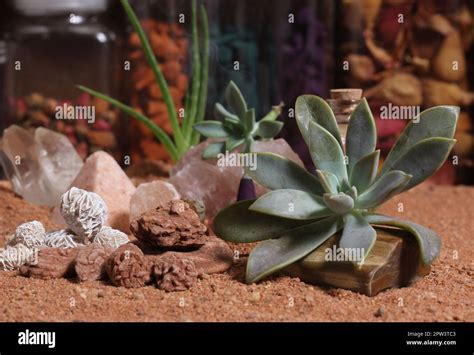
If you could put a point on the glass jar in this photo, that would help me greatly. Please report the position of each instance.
(48, 47)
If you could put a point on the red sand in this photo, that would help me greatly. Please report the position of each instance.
(446, 294)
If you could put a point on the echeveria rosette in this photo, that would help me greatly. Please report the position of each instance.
(236, 125)
(302, 211)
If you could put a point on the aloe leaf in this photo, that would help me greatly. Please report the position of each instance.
(273, 255)
(428, 241)
(326, 152)
(383, 189)
(424, 159)
(249, 120)
(357, 234)
(156, 130)
(235, 99)
(293, 204)
(212, 129)
(276, 172)
(149, 55)
(310, 108)
(339, 203)
(213, 149)
(364, 171)
(328, 181)
(204, 73)
(221, 113)
(439, 121)
(269, 129)
(361, 135)
(236, 223)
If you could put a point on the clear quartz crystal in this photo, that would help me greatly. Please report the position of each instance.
(40, 166)
(343, 102)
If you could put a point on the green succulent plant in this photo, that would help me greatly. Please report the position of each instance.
(302, 210)
(236, 125)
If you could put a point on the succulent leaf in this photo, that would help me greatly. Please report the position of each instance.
(352, 192)
(235, 99)
(233, 143)
(361, 135)
(293, 204)
(221, 113)
(339, 203)
(276, 172)
(439, 121)
(269, 129)
(364, 171)
(257, 226)
(213, 149)
(249, 120)
(424, 159)
(326, 152)
(428, 241)
(328, 181)
(384, 188)
(357, 234)
(212, 129)
(274, 254)
(310, 108)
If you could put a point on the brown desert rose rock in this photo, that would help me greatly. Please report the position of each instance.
(175, 226)
(128, 267)
(174, 273)
(150, 195)
(90, 262)
(51, 263)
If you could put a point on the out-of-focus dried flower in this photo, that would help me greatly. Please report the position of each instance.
(84, 212)
(128, 267)
(110, 237)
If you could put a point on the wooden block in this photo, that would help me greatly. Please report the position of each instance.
(394, 261)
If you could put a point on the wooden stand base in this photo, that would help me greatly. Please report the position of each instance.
(394, 261)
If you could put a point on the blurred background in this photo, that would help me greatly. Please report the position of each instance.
(403, 53)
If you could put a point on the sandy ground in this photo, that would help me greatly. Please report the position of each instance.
(446, 294)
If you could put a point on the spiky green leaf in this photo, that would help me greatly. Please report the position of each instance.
(269, 129)
(273, 255)
(326, 152)
(364, 171)
(236, 223)
(277, 172)
(424, 159)
(439, 121)
(310, 108)
(357, 234)
(384, 188)
(361, 135)
(428, 241)
(212, 129)
(293, 204)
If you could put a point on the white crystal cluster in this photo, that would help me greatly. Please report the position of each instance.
(85, 214)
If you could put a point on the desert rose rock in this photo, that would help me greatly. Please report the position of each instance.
(90, 262)
(48, 163)
(175, 226)
(217, 186)
(174, 273)
(150, 195)
(101, 174)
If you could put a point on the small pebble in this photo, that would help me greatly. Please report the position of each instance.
(255, 296)
(379, 312)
